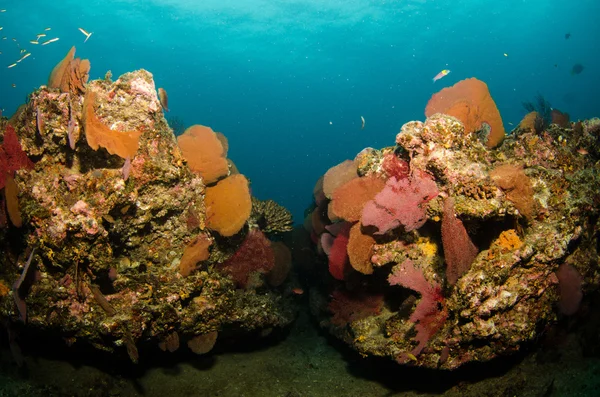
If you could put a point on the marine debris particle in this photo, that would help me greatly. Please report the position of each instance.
(122, 143)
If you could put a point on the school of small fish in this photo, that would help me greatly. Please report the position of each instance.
(24, 54)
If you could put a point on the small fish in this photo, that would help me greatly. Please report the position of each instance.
(441, 74)
(2, 10)
(4, 38)
(87, 35)
(40, 35)
(24, 56)
(362, 120)
(1, 27)
(12, 65)
(298, 291)
(34, 42)
(582, 151)
(47, 29)
(506, 55)
(411, 356)
(577, 68)
(22, 50)
(50, 41)
(163, 98)
(14, 85)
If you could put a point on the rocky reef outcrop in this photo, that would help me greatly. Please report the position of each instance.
(115, 247)
(441, 251)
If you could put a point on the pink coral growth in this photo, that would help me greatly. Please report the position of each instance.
(459, 250)
(430, 313)
(569, 283)
(401, 203)
(338, 254)
(12, 156)
(393, 166)
(254, 255)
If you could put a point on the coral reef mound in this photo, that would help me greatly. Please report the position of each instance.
(467, 252)
(114, 249)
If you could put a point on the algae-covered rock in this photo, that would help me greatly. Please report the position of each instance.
(529, 206)
(106, 234)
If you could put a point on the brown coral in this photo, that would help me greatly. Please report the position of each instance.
(561, 119)
(201, 344)
(517, 186)
(122, 143)
(282, 266)
(470, 101)
(271, 217)
(532, 122)
(204, 152)
(196, 251)
(228, 205)
(71, 74)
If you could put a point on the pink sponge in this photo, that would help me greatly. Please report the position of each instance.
(401, 203)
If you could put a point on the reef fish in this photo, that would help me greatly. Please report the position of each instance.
(441, 74)
(577, 68)
(50, 41)
(163, 98)
(86, 34)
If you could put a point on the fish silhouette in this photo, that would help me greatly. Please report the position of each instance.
(577, 68)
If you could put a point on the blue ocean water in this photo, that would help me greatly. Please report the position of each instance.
(288, 81)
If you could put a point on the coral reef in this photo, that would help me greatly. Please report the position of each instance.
(470, 101)
(204, 152)
(270, 216)
(503, 242)
(126, 244)
(71, 74)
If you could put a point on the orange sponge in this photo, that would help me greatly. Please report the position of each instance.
(204, 151)
(228, 205)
